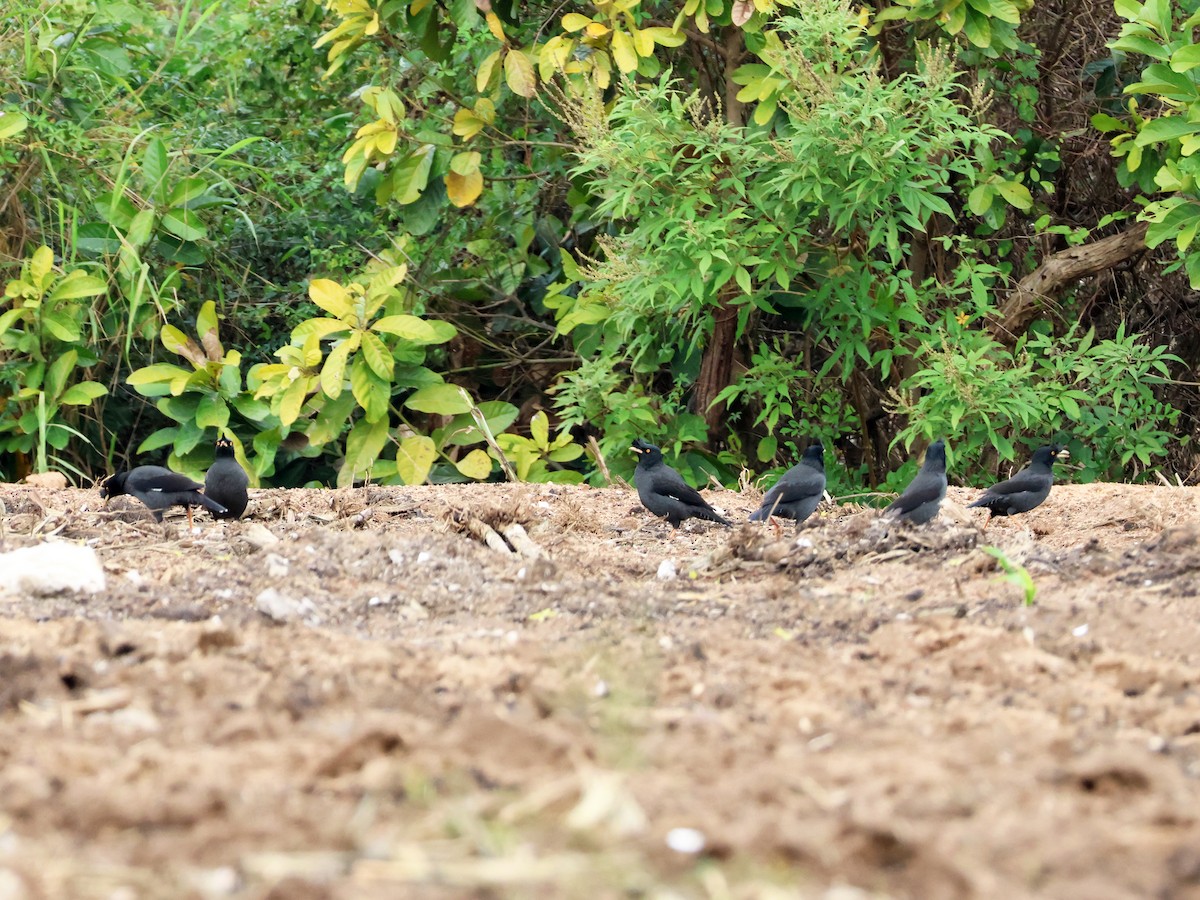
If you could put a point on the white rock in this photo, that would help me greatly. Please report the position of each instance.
(282, 608)
(54, 567)
(667, 570)
(259, 536)
(1080, 630)
(685, 840)
(277, 566)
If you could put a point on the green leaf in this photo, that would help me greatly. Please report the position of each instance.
(415, 457)
(212, 412)
(12, 123)
(497, 414)
(415, 329)
(371, 392)
(83, 393)
(141, 229)
(978, 29)
(154, 170)
(1105, 123)
(184, 224)
(251, 408)
(333, 373)
(162, 438)
(156, 374)
(441, 399)
(979, 201)
(364, 443)
(206, 319)
(58, 373)
(1016, 194)
(411, 175)
(61, 326)
(76, 284)
(377, 356)
(539, 430)
(186, 190)
(767, 448)
(1165, 129)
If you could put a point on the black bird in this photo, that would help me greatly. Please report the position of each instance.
(920, 501)
(226, 482)
(1025, 490)
(663, 491)
(798, 492)
(159, 489)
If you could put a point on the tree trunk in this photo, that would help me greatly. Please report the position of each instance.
(716, 365)
(1058, 271)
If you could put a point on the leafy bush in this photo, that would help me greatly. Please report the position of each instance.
(1096, 396)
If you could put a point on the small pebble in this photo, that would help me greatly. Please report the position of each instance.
(1080, 630)
(667, 570)
(685, 840)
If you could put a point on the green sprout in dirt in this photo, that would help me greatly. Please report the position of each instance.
(1014, 573)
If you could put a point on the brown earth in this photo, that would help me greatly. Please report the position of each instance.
(854, 711)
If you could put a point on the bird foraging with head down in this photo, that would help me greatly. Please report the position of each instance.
(663, 491)
(159, 489)
(1025, 490)
(798, 492)
(921, 499)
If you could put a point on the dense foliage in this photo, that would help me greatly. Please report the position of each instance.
(411, 240)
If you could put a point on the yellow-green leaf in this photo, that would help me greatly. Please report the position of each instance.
(377, 356)
(487, 71)
(575, 22)
(666, 37)
(494, 26)
(291, 401)
(463, 190)
(155, 374)
(331, 297)
(82, 393)
(440, 399)
(40, 265)
(333, 373)
(465, 163)
(623, 52)
(364, 443)
(643, 43)
(519, 74)
(12, 123)
(76, 284)
(467, 124)
(415, 457)
(476, 465)
(539, 430)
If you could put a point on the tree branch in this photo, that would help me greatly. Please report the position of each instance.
(1058, 271)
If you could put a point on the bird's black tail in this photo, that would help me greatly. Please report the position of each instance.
(713, 516)
(209, 503)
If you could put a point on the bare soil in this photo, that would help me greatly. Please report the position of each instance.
(350, 694)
